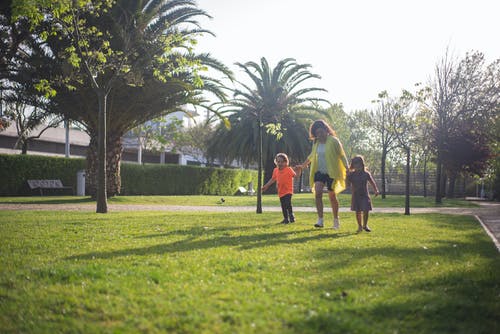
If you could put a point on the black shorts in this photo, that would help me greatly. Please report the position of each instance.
(325, 178)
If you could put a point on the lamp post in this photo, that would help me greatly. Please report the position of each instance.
(259, 158)
(66, 142)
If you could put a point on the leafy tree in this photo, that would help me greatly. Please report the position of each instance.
(156, 135)
(340, 122)
(467, 152)
(136, 57)
(161, 134)
(403, 126)
(357, 138)
(195, 141)
(422, 148)
(381, 120)
(22, 56)
(30, 123)
(275, 102)
(465, 97)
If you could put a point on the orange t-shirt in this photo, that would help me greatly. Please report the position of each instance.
(284, 180)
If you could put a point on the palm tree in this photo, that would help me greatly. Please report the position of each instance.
(162, 74)
(275, 102)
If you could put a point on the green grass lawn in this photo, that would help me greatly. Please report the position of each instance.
(299, 200)
(196, 272)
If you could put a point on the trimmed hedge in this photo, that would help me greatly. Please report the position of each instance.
(149, 179)
(16, 169)
(152, 179)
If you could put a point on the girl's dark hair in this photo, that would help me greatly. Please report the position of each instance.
(358, 160)
(320, 124)
(281, 155)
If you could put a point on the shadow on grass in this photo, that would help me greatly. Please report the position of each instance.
(199, 239)
(461, 298)
(456, 302)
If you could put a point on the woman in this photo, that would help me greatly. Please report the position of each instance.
(328, 167)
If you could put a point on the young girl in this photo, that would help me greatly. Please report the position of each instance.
(358, 178)
(328, 167)
(283, 175)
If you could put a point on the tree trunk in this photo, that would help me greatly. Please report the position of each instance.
(451, 185)
(444, 178)
(259, 161)
(24, 147)
(91, 172)
(425, 176)
(382, 171)
(407, 183)
(439, 168)
(301, 182)
(268, 174)
(102, 201)
(114, 155)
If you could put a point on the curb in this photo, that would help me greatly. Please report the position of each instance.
(489, 232)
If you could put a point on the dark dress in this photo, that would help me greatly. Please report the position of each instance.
(360, 200)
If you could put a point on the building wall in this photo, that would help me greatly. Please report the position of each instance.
(53, 142)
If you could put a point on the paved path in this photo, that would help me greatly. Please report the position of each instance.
(488, 213)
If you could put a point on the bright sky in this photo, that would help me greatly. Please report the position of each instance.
(358, 47)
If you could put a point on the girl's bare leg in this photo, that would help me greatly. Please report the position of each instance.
(365, 218)
(358, 219)
(365, 221)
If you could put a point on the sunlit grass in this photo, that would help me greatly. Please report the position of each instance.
(158, 272)
(299, 200)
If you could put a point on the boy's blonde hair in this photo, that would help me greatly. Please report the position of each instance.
(281, 155)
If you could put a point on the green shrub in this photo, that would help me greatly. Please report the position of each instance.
(153, 179)
(148, 179)
(16, 169)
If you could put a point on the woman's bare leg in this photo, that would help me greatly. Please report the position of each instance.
(334, 203)
(318, 192)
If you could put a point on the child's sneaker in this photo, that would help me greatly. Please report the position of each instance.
(336, 223)
(292, 219)
(367, 229)
(284, 221)
(319, 223)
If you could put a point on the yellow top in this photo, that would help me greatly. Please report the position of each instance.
(336, 162)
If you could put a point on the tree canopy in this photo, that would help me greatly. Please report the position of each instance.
(139, 55)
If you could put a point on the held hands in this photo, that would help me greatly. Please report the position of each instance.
(298, 170)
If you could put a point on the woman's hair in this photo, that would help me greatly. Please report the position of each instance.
(281, 155)
(358, 160)
(320, 124)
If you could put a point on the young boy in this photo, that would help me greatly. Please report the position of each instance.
(283, 175)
